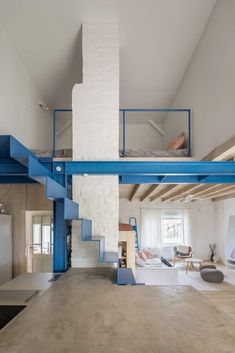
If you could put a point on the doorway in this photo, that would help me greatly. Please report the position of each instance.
(39, 241)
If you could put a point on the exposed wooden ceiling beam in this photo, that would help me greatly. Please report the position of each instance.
(215, 190)
(222, 152)
(162, 192)
(133, 191)
(181, 191)
(209, 192)
(193, 191)
(225, 197)
(218, 193)
(149, 191)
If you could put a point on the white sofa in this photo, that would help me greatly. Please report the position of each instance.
(156, 275)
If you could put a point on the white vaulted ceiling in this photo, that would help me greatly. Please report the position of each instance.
(157, 41)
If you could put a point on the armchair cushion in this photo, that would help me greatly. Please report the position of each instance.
(183, 249)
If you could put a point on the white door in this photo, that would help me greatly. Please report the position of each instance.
(40, 248)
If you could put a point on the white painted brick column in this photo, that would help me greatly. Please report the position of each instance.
(95, 105)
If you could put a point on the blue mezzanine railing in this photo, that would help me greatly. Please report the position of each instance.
(124, 112)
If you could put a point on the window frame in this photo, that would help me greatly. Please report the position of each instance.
(41, 235)
(172, 216)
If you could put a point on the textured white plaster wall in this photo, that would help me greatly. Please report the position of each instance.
(95, 137)
(20, 114)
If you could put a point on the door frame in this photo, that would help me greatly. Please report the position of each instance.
(29, 235)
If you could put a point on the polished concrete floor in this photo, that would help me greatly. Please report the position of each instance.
(83, 312)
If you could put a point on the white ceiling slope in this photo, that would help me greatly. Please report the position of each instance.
(157, 41)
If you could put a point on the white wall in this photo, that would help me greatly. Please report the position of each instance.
(208, 84)
(223, 210)
(141, 136)
(95, 137)
(20, 114)
(202, 219)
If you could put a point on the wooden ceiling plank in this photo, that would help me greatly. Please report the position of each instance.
(219, 193)
(133, 191)
(215, 190)
(196, 189)
(221, 198)
(223, 152)
(162, 192)
(184, 190)
(149, 191)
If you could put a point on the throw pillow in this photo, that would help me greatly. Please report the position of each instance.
(177, 143)
(166, 262)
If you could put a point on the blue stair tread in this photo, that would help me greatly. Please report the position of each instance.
(109, 257)
(96, 238)
(71, 209)
(22, 159)
(125, 276)
(54, 190)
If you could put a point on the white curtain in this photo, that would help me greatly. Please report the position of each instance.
(187, 223)
(151, 229)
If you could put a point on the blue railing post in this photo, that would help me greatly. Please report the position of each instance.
(123, 133)
(54, 127)
(189, 133)
(53, 132)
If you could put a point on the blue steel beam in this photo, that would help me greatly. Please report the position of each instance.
(60, 238)
(195, 168)
(176, 179)
(12, 168)
(15, 179)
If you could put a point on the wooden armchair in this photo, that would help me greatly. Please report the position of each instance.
(182, 252)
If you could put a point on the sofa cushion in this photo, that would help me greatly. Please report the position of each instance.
(141, 255)
(153, 261)
(139, 261)
(149, 254)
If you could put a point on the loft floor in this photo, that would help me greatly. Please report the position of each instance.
(84, 312)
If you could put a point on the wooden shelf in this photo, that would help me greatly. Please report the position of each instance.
(126, 246)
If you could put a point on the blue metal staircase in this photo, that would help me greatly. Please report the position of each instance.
(104, 256)
(20, 165)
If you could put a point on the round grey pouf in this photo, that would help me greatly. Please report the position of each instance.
(208, 266)
(212, 275)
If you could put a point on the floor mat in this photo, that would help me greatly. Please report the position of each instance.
(8, 312)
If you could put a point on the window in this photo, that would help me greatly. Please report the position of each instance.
(172, 230)
(42, 235)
